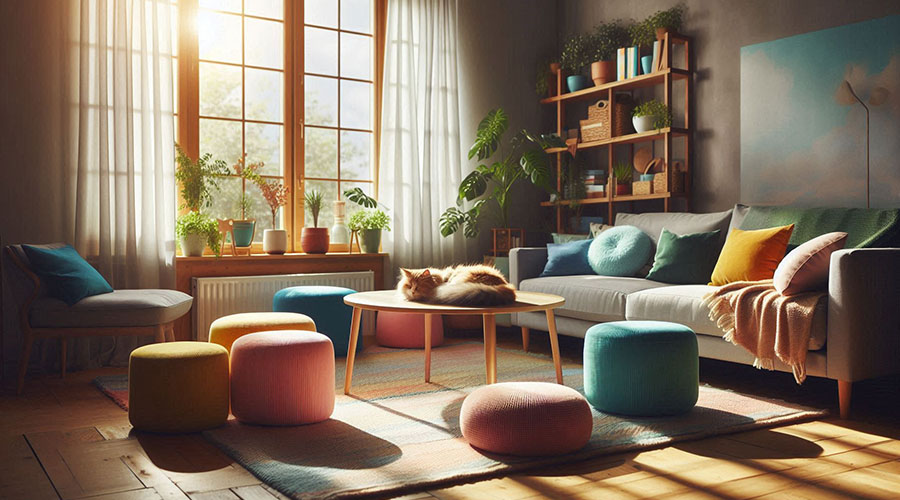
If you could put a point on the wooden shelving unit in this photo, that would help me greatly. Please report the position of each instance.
(607, 91)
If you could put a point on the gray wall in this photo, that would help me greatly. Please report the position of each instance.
(720, 28)
(500, 42)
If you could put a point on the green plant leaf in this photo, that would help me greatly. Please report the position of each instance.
(472, 186)
(356, 195)
(490, 130)
(534, 164)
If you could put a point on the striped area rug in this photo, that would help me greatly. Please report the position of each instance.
(396, 434)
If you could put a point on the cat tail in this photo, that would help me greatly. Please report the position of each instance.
(475, 294)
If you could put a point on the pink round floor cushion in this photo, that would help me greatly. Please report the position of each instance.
(407, 330)
(526, 419)
(282, 378)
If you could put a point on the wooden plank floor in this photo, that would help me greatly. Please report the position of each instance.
(64, 439)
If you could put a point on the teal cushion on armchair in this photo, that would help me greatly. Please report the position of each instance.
(66, 274)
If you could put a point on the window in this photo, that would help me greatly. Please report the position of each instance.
(288, 83)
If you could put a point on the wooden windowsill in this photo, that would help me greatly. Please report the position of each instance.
(286, 256)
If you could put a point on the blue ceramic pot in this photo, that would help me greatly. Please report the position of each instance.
(646, 177)
(576, 82)
(243, 232)
(646, 63)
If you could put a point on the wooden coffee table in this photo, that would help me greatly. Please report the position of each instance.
(391, 300)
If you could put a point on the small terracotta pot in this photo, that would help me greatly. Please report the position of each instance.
(314, 239)
(622, 189)
(602, 72)
(661, 33)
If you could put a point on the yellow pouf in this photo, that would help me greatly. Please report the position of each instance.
(225, 330)
(178, 387)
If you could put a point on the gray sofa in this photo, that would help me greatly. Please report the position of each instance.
(856, 328)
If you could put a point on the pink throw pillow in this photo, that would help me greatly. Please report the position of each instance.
(805, 268)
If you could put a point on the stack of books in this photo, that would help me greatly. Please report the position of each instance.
(595, 183)
(628, 60)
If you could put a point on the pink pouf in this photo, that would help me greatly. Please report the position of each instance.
(282, 378)
(526, 419)
(407, 330)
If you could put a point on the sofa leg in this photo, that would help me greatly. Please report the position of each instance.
(524, 338)
(844, 393)
(27, 340)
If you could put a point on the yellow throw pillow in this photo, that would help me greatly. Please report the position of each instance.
(751, 255)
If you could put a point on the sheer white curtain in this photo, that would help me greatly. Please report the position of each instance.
(420, 165)
(121, 145)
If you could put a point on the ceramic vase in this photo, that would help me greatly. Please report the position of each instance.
(642, 123)
(576, 82)
(243, 231)
(369, 240)
(340, 234)
(314, 239)
(646, 64)
(275, 241)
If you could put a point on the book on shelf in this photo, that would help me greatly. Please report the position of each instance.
(655, 63)
(663, 56)
(620, 64)
(633, 62)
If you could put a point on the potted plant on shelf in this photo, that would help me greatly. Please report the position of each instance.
(276, 194)
(545, 77)
(522, 159)
(575, 56)
(194, 229)
(314, 239)
(623, 173)
(666, 21)
(651, 115)
(604, 42)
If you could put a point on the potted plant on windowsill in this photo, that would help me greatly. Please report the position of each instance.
(276, 194)
(243, 229)
(651, 115)
(314, 239)
(368, 223)
(574, 58)
(624, 174)
(194, 229)
(604, 41)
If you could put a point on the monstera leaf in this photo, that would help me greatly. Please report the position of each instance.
(490, 130)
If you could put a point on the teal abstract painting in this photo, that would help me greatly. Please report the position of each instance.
(803, 128)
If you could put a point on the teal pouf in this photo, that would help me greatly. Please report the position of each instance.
(325, 305)
(641, 368)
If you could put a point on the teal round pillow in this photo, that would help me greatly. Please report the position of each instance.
(620, 251)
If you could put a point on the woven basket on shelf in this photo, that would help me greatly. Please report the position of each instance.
(596, 127)
(622, 115)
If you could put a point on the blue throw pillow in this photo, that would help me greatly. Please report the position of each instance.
(66, 274)
(566, 259)
(620, 251)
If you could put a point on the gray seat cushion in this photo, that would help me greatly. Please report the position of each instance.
(119, 308)
(590, 297)
(683, 304)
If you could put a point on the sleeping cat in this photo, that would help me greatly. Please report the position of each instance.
(474, 285)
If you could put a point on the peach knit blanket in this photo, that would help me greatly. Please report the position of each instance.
(755, 316)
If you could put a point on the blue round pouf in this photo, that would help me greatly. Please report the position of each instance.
(325, 305)
(641, 368)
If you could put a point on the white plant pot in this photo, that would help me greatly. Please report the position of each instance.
(642, 123)
(192, 245)
(275, 241)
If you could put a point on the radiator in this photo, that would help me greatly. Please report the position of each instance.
(221, 296)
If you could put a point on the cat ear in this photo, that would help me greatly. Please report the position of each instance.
(406, 272)
(426, 273)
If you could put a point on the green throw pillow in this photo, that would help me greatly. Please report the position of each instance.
(685, 260)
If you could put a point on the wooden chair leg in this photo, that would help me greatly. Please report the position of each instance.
(27, 341)
(170, 332)
(63, 346)
(160, 333)
(524, 338)
(844, 393)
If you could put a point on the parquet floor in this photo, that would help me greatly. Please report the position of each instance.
(64, 439)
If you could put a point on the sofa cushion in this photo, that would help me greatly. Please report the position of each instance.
(805, 268)
(620, 251)
(566, 259)
(684, 304)
(751, 255)
(686, 259)
(677, 222)
(865, 227)
(590, 297)
(119, 308)
(65, 273)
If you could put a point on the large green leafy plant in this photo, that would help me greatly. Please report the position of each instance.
(606, 39)
(576, 54)
(200, 224)
(521, 159)
(198, 178)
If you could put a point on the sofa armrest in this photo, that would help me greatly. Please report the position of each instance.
(526, 262)
(863, 314)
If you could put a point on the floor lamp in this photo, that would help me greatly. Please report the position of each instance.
(846, 96)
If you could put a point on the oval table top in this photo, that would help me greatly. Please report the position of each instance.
(392, 300)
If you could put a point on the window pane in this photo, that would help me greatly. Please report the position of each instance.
(226, 202)
(321, 12)
(355, 102)
(367, 188)
(260, 210)
(219, 36)
(264, 44)
(356, 15)
(356, 155)
(320, 51)
(264, 94)
(320, 100)
(229, 5)
(221, 138)
(265, 8)
(356, 56)
(326, 216)
(265, 144)
(321, 153)
(220, 90)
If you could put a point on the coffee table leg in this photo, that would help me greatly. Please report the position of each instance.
(525, 338)
(490, 348)
(427, 347)
(554, 344)
(351, 351)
